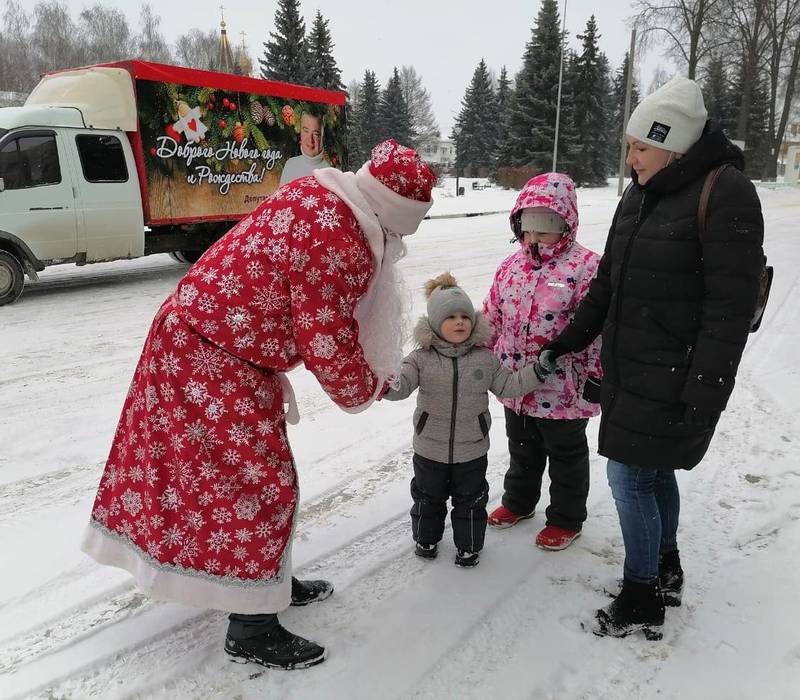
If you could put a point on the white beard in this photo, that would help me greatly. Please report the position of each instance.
(383, 314)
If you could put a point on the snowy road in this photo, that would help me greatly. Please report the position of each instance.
(397, 627)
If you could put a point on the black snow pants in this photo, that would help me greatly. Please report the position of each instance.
(532, 443)
(465, 484)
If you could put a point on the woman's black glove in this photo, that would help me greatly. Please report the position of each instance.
(548, 355)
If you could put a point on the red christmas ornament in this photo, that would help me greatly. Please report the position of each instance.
(174, 135)
(238, 132)
(225, 102)
(222, 123)
(153, 151)
(232, 106)
(213, 97)
(288, 115)
(209, 107)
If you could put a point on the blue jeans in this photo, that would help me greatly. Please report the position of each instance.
(648, 504)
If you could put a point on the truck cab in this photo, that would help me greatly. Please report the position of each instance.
(134, 158)
(69, 192)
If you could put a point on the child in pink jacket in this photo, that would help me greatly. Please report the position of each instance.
(533, 297)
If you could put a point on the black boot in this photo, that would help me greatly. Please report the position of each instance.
(637, 607)
(305, 592)
(275, 648)
(466, 560)
(670, 577)
(426, 551)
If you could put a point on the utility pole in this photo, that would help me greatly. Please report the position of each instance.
(626, 114)
(560, 81)
(456, 134)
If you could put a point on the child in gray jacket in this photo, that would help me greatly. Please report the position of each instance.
(454, 373)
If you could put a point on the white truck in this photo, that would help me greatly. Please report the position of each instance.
(133, 158)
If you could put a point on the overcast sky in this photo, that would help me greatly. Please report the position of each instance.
(443, 39)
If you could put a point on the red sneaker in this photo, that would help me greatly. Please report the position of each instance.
(554, 538)
(501, 518)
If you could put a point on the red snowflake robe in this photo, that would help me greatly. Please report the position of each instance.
(199, 495)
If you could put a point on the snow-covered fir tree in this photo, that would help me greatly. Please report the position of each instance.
(364, 130)
(323, 71)
(718, 94)
(503, 97)
(286, 53)
(529, 138)
(756, 140)
(475, 130)
(394, 117)
(590, 120)
(570, 142)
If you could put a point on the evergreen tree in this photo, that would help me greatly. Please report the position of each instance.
(504, 95)
(323, 71)
(589, 87)
(394, 118)
(617, 106)
(503, 98)
(570, 142)
(757, 138)
(286, 53)
(475, 129)
(718, 96)
(367, 131)
(529, 139)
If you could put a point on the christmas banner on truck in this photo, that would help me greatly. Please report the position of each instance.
(218, 153)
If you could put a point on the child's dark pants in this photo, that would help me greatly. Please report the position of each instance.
(531, 443)
(465, 484)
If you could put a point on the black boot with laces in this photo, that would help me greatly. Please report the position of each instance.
(305, 592)
(638, 607)
(275, 648)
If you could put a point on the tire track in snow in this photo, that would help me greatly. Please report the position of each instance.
(93, 615)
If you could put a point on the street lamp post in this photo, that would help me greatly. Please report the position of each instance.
(628, 91)
(560, 81)
(456, 134)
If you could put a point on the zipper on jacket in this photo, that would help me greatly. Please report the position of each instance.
(625, 257)
(623, 268)
(455, 408)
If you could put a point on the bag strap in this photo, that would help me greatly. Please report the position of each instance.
(705, 196)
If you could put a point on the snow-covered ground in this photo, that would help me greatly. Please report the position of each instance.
(397, 627)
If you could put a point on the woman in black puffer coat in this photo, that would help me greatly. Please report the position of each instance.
(674, 311)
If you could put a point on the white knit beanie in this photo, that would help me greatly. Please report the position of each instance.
(671, 118)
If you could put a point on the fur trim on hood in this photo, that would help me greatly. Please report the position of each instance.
(426, 338)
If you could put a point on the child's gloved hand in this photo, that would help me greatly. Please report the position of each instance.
(541, 371)
(547, 359)
(547, 363)
(387, 385)
(697, 416)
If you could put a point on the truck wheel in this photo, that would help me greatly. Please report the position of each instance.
(187, 257)
(12, 278)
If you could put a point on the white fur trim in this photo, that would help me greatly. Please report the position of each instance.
(187, 586)
(383, 312)
(397, 213)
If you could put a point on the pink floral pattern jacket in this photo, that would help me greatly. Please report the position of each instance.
(532, 299)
